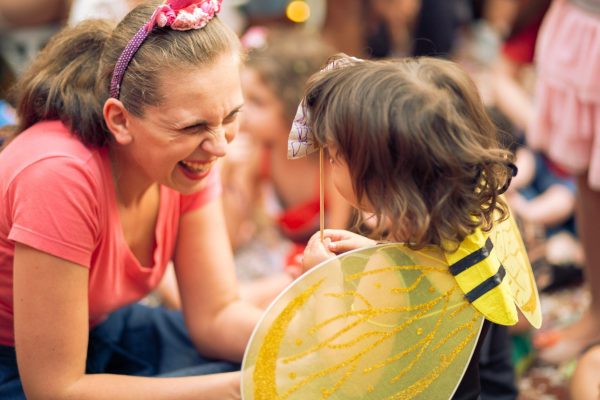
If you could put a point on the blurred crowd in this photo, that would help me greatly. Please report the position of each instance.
(272, 204)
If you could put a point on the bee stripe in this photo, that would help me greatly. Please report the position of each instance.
(487, 285)
(472, 259)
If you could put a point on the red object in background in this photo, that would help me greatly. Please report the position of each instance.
(519, 47)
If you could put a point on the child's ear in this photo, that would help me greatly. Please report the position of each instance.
(117, 120)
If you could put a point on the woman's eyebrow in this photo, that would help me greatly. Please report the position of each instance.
(234, 111)
(204, 122)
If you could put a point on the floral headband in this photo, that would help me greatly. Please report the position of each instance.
(301, 141)
(181, 15)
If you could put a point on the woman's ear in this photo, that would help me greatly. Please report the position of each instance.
(116, 118)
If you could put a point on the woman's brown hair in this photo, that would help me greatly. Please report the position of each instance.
(70, 79)
(419, 145)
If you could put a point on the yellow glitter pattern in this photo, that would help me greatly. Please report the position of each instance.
(264, 374)
(519, 275)
(380, 323)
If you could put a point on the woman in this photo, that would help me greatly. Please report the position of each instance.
(111, 176)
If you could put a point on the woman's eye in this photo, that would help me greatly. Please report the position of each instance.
(198, 128)
(231, 118)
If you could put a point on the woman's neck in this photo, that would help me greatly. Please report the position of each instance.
(131, 187)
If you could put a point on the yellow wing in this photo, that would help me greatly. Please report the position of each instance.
(493, 271)
(385, 322)
(519, 275)
(480, 275)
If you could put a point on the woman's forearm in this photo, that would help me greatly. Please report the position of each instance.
(228, 335)
(105, 386)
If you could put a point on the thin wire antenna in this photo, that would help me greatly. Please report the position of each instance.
(321, 192)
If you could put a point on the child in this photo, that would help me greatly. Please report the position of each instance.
(410, 142)
(273, 79)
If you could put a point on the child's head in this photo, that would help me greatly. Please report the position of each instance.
(274, 79)
(420, 149)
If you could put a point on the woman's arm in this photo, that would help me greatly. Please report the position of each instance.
(51, 334)
(220, 324)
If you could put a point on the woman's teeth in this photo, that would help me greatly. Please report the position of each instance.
(198, 167)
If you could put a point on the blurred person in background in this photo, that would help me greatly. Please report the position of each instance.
(26, 26)
(414, 27)
(566, 127)
(513, 69)
(273, 81)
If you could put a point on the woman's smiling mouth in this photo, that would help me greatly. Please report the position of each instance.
(196, 170)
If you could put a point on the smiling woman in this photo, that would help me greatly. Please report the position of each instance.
(182, 138)
(112, 175)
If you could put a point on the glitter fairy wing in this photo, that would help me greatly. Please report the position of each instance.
(479, 273)
(493, 271)
(519, 275)
(385, 322)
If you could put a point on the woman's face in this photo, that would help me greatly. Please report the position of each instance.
(263, 117)
(178, 142)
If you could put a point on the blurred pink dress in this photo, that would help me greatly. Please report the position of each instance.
(567, 122)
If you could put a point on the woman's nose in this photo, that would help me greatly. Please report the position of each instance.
(216, 144)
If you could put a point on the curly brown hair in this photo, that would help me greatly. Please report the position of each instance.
(418, 143)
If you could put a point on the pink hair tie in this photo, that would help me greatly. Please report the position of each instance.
(181, 15)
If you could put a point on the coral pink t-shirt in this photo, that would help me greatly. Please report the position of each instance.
(57, 196)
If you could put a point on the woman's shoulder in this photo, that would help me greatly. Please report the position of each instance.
(48, 146)
(52, 137)
(48, 139)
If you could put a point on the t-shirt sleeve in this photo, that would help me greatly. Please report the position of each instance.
(211, 191)
(54, 209)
